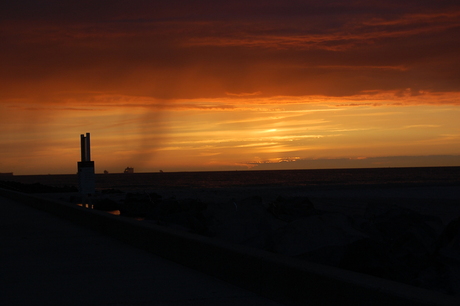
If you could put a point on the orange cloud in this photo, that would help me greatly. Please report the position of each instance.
(156, 81)
(197, 53)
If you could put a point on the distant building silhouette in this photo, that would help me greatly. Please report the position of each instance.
(129, 170)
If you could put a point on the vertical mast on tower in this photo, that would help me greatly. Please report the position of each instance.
(86, 176)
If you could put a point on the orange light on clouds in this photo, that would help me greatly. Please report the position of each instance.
(243, 85)
(176, 137)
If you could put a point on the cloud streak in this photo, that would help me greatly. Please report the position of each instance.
(200, 80)
(207, 50)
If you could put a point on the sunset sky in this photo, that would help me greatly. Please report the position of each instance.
(234, 85)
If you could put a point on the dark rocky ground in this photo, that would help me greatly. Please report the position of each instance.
(408, 232)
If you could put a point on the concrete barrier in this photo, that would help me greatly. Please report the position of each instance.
(278, 277)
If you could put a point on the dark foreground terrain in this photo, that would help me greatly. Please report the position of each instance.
(399, 224)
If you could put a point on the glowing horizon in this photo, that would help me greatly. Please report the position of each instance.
(244, 85)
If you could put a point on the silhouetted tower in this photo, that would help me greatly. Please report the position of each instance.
(86, 180)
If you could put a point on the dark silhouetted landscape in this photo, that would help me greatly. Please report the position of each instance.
(401, 224)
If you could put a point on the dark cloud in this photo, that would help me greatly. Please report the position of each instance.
(367, 162)
(184, 49)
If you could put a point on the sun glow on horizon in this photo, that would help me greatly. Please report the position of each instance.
(173, 139)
